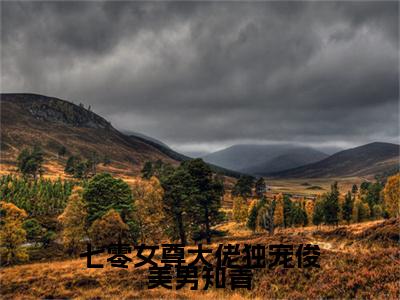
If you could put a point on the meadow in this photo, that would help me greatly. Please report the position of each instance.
(357, 261)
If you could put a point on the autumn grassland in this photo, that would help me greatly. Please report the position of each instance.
(357, 261)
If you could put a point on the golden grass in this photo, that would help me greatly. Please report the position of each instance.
(296, 186)
(349, 270)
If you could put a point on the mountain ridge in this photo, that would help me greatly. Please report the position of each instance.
(368, 159)
(28, 119)
(253, 159)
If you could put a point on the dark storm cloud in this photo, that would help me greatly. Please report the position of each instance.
(203, 75)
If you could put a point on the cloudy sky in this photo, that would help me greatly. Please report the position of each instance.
(201, 76)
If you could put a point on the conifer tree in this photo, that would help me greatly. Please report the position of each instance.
(252, 219)
(287, 211)
(207, 192)
(147, 170)
(347, 209)
(260, 187)
(243, 186)
(354, 189)
(318, 215)
(331, 205)
(177, 203)
(62, 151)
(104, 192)
(29, 162)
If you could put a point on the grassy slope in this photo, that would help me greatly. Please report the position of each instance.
(360, 260)
(19, 128)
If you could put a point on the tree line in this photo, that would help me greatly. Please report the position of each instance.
(186, 199)
(370, 201)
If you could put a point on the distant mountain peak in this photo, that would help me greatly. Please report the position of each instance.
(260, 159)
(369, 159)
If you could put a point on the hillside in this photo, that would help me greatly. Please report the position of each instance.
(27, 119)
(369, 159)
(261, 159)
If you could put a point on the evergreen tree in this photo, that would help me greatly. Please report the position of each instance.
(192, 199)
(207, 195)
(70, 165)
(147, 170)
(62, 151)
(177, 200)
(252, 219)
(80, 170)
(37, 197)
(297, 215)
(318, 215)
(243, 186)
(362, 211)
(260, 187)
(354, 189)
(347, 208)
(377, 211)
(29, 162)
(373, 196)
(287, 211)
(104, 192)
(304, 213)
(364, 186)
(331, 206)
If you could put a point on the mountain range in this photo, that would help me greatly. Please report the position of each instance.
(29, 119)
(373, 158)
(292, 161)
(257, 159)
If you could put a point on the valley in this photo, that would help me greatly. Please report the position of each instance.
(69, 177)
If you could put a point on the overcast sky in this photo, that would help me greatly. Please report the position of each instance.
(201, 76)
